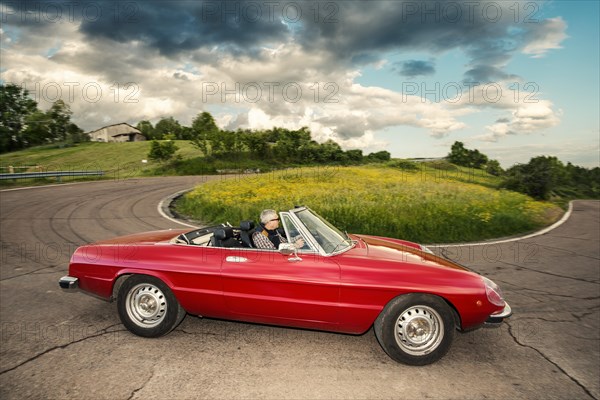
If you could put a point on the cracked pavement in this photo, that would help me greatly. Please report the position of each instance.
(60, 345)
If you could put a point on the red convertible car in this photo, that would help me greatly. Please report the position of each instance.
(337, 282)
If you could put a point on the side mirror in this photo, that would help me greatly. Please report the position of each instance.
(288, 249)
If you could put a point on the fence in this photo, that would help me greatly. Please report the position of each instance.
(50, 174)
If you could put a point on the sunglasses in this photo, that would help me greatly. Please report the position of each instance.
(276, 219)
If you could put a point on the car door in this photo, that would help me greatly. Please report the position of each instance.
(194, 273)
(268, 287)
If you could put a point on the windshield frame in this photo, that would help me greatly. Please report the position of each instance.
(345, 243)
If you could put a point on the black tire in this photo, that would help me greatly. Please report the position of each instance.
(147, 307)
(415, 329)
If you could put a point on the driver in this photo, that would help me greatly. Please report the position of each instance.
(267, 236)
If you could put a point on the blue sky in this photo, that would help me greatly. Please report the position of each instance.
(387, 72)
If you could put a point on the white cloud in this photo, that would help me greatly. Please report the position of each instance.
(526, 118)
(548, 36)
(355, 112)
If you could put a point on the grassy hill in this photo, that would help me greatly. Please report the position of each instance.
(426, 205)
(118, 160)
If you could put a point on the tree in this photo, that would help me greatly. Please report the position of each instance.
(76, 135)
(146, 128)
(185, 133)
(59, 124)
(204, 131)
(309, 152)
(285, 148)
(331, 151)
(274, 135)
(379, 156)
(23, 125)
(460, 155)
(538, 178)
(36, 129)
(59, 116)
(288, 143)
(493, 168)
(226, 143)
(167, 126)
(477, 159)
(256, 142)
(355, 156)
(15, 108)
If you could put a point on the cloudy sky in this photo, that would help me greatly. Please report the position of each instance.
(515, 79)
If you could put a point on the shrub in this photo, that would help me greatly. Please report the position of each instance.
(442, 165)
(404, 165)
(162, 151)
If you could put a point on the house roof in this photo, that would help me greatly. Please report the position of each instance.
(122, 128)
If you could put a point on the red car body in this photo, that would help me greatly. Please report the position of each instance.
(340, 292)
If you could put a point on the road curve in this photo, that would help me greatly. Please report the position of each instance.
(58, 345)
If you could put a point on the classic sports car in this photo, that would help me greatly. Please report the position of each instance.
(336, 282)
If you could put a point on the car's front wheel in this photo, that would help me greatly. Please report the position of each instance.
(147, 307)
(415, 329)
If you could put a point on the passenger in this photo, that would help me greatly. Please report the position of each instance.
(266, 235)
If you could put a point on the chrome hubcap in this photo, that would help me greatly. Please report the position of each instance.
(146, 305)
(419, 330)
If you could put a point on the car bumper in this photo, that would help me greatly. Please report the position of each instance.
(69, 283)
(496, 319)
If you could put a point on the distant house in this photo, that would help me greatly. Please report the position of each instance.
(117, 133)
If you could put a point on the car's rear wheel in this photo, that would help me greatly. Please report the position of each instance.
(415, 329)
(147, 307)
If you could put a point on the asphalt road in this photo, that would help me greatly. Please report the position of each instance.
(59, 345)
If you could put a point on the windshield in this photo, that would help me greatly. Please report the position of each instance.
(330, 238)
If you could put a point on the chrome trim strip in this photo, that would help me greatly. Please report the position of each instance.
(236, 259)
(505, 313)
(495, 320)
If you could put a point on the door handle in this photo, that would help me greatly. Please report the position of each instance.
(236, 259)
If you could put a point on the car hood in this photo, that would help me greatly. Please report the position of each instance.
(145, 238)
(393, 250)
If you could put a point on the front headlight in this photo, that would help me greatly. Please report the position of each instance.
(493, 292)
